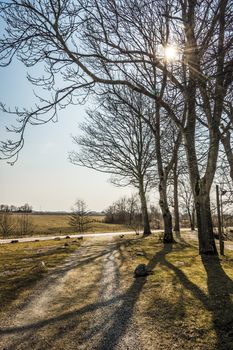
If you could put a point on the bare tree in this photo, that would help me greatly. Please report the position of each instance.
(175, 176)
(118, 212)
(167, 141)
(155, 217)
(116, 140)
(7, 223)
(80, 220)
(186, 200)
(119, 43)
(127, 211)
(24, 222)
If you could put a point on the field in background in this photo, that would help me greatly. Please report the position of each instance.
(55, 224)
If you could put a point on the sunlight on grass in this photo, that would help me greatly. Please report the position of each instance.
(182, 296)
(21, 266)
(51, 224)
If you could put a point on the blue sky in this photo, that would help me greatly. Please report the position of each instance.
(43, 177)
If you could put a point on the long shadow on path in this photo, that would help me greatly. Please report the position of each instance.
(118, 311)
(123, 315)
(21, 333)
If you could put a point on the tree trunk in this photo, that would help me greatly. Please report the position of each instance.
(167, 217)
(145, 216)
(163, 175)
(201, 194)
(226, 141)
(176, 200)
(204, 221)
(201, 186)
(193, 220)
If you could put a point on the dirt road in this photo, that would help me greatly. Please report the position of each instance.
(86, 235)
(80, 305)
(92, 302)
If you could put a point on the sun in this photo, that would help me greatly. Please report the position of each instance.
(170, 53)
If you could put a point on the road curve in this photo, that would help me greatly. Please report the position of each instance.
(89, 235)
(190, 235)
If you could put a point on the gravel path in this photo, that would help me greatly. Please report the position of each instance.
(117, 333)
(79, 305)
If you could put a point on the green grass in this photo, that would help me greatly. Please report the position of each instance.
(20, 266)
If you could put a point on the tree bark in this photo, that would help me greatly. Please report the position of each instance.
(167, 217)
(163, 175)
(176, 199)
(201, 194)
(193, 223)
(192, 218)
(145, 216)
(200, 186)
(226, 141)
(204, 220)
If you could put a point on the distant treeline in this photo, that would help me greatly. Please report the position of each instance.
(91, 213)
(26, 208)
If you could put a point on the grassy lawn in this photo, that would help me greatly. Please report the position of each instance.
(187, 297)
(21, 266)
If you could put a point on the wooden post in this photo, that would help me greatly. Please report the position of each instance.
(221, 241)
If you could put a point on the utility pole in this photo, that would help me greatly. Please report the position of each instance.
(221, 241)
(221, 204)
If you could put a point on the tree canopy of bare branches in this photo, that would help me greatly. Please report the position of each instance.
(89, 43)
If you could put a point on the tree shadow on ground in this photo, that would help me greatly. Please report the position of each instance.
(124, 313)
(220, 289)
(111, 329)
(116, 313)
(219, 298)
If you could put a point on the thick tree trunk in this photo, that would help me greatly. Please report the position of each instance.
(212, 109)
(204, 221)
(145, 216)
(226, 141)
(201, 193)
(167, 220)
(193, 221)
(176, 200)
(167, 217)
(163, 174)
(191, 218)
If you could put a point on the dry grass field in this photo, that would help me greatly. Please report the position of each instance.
(55, 224)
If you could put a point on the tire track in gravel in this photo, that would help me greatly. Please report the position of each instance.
(112, 326)
(22, 324)
(50, 319)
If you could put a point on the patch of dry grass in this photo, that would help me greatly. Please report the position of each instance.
(51, 224)
(23, 264)
(187, 301)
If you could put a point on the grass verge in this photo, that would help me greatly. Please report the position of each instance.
(187, 301)
(23, 264)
